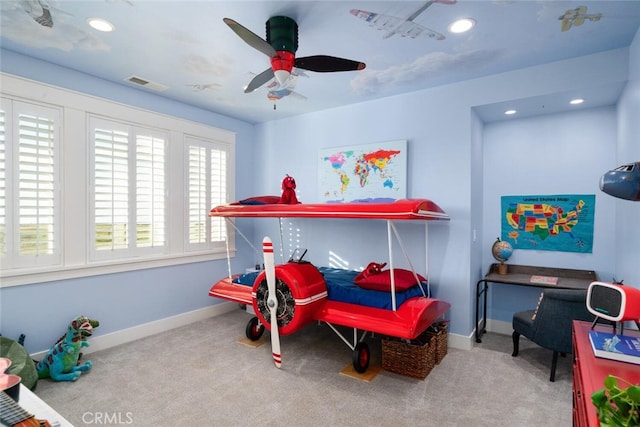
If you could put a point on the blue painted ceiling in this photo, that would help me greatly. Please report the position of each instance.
(185, 48)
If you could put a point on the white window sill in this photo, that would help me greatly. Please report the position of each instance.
(31, 276)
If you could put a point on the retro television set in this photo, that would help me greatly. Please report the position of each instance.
(614, 302)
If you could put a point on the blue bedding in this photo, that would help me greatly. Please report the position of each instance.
(341, 287)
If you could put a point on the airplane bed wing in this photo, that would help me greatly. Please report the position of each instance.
(410, 320)
(403, 209)
(227, 289)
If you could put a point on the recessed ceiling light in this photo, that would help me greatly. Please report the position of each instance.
(462, 25)
(100, 25)
(576, 101)
(510, 112)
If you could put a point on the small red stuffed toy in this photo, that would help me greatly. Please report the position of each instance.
(288, 196)
(371, 270)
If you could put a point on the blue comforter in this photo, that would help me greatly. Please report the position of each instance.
(341, 287)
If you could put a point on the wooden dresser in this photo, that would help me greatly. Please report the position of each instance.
(589, 372)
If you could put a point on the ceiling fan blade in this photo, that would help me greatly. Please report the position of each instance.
(272, 299)
(251, 38)
(328, 64)
(259, 80)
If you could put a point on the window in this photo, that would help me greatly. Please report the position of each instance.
(29, 179)
(207, 164)
(128, 197)
(89, 186)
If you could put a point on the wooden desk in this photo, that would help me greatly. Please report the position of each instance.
(589, 373)
(520, 275)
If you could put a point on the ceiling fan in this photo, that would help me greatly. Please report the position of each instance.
(280, 46)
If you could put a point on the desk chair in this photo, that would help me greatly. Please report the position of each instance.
(549, 325)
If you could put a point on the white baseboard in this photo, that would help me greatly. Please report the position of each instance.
(499, 327)
(467, 342)
(460, 341)
(124, 336)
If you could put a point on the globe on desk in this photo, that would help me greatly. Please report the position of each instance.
(501, 251)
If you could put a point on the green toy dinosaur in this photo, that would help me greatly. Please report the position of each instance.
(61, 362)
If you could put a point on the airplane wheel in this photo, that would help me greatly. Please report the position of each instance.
(361, 357)
(254, 329)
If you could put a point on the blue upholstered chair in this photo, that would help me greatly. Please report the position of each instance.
(549, 325)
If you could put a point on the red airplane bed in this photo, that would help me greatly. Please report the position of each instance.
(306, 293)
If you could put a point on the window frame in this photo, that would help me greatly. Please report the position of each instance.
(75, 158)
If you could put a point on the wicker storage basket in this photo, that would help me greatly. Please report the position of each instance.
(438, 332)
(411, 360)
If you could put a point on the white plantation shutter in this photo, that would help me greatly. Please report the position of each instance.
(5, 109)
(36, 185)
(207, 181)
(218, 192)
(29, 182)
(111, 189)
(197, 182)
(129, 199)
(150, 191)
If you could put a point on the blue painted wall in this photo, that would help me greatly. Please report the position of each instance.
(446, 163)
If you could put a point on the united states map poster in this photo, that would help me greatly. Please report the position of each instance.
(561, 222)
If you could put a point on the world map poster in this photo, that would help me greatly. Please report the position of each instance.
(363, 173)
(561, 222)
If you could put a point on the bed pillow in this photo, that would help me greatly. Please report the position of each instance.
(260, 200)
(381, 280)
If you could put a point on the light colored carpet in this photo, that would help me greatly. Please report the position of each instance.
(200, 375)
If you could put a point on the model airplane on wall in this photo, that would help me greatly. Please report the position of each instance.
(622, 182)
(405, 27)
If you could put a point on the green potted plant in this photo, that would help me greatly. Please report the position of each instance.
(617, 406)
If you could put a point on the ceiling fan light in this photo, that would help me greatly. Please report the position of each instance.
(100, 25)
(282, 76)
(462, 25)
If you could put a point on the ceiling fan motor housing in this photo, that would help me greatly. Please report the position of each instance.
(282, 33)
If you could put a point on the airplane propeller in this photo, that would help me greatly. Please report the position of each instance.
(272, 299)
(280, 46)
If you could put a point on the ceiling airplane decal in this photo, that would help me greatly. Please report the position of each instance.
(39, 11)
(280, 46)
(576, 17)
(405, 27)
